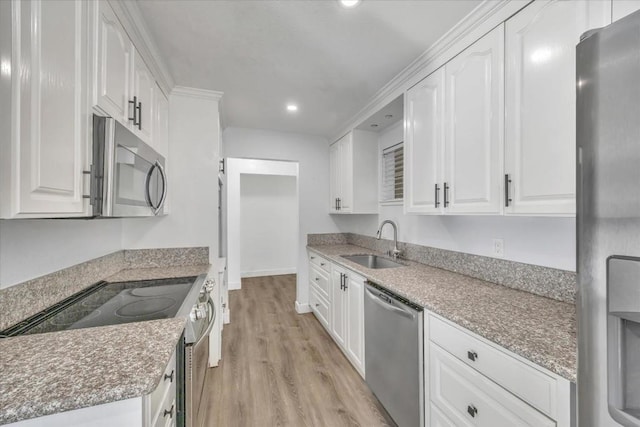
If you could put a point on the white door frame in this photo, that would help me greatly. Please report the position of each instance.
(235, 168)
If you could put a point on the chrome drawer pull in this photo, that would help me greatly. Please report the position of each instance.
(168, 412)
(169, 377)
(472, 355)
(472, 411)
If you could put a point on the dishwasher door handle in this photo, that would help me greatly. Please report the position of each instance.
(387, 306)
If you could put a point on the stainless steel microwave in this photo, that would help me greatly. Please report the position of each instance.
(128, 178)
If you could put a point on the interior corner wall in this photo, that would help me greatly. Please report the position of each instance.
(33, 248)
(312, 154)
(192, 171)
(268, 225)
(546, 241)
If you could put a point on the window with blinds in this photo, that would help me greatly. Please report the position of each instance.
(393, 173)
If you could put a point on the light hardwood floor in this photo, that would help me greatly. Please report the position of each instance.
(280, 368)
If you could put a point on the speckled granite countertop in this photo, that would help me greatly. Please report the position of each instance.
(60, 371)
(158, 273)
(49, 373)
(539, 329)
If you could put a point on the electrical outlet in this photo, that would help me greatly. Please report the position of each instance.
(498, 248)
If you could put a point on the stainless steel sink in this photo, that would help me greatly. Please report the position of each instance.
(372, 261)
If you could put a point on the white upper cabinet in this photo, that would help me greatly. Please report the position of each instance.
(353, 169)
(622, 8)
(113, 57)
(474, 127)
(124, 87)
(424, 145)
(454, 134)
(160, 135)
(43, 144)
(144, 87)
(540, 99)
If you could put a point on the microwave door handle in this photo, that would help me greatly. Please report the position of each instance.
(148, 187)
(163, 198)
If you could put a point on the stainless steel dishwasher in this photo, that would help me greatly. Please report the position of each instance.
(394, 354)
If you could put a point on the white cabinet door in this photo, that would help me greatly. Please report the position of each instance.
(355, 320)
(474, 126)
(113, 52)
(160, 136)
(346, 174)
(338, 306)
(46, 151)
(334, 172)
(423, 145)
(144, 86)
(540, 101)
(622, 8)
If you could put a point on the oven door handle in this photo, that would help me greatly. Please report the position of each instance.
(212, 310)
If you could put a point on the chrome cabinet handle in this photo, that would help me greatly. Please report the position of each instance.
(471, 410)
(317, 279)
(139, 109)
(339, 203)
(446, 195)
(437, 191)
(507, 182)
(134, 110)
(168, 412)
(312, 257)
(169, 377)
(472, 355)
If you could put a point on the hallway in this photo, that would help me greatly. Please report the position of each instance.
(280, 368)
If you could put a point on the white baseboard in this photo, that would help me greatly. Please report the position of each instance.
(227, 317)
(302, 308)
(234, 286)
(275, 272)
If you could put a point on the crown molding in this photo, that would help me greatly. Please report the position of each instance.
(486, 16)
(134, 24)
(193, 92)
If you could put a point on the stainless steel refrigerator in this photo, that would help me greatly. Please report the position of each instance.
(608, 159)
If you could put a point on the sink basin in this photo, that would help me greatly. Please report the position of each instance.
(372, 261)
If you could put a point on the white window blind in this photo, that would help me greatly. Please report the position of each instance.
(393, 173)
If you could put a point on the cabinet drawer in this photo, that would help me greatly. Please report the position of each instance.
(160, 399)
(166, 419)
(533, 386)
(320, 262)
(319, 278)
(469, 398)
(319, 305)
(437, 418)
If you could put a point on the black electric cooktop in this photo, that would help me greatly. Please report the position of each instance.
(110, 304)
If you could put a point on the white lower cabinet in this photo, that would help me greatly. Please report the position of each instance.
(473, 382)
(336, 297)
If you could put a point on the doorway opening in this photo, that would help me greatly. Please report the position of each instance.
(262, 220)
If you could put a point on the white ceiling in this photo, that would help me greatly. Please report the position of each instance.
(265, 53)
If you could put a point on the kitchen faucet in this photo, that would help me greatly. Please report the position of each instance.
(396, 252)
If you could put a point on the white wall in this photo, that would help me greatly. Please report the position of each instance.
(193, 179)
(312, 154)
(533, 240)
(268, 225)
(33, 248)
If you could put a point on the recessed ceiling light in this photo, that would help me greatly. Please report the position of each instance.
(349, 3)
(374, 125)
(388, 116)
(292, 108)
